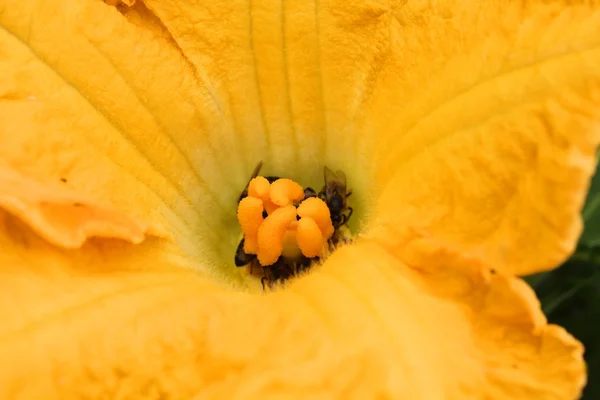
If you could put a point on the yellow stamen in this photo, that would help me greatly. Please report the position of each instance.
(316, 209)
(291, 251)
(271, 232)
(309, 237)
(250, 217)
(284, 191)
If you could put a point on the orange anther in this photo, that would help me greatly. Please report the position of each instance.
(309, 237)
(259, 187)
(316, 209)
(271, 233)
(285, 191)
(250, 217)
(270, 206)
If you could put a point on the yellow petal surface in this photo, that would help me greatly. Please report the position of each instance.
(61, 217)
(77, 106)
(445, 328)
(144, 108)
(490, 114)
(477, 121)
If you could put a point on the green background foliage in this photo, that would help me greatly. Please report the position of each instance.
(570, 295)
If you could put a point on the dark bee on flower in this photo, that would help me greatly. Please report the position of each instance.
(285, 269)
(242, 258)
(279, 272)
(334, 195)
(309, 192)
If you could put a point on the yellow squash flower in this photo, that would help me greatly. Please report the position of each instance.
(467, 131)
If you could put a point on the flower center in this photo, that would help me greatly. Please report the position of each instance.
(288, 228)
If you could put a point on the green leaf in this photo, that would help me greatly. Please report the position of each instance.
(570, 297)
(591, 214)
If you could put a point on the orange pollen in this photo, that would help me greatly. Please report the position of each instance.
(316, 209)
(271, 233)
(259, 187)
(285, 191)
(281, 233)
(309, 238)
(250, 217)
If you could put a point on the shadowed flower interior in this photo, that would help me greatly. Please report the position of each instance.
(287, 228)
(129, 129)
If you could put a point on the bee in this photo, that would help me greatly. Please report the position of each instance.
(279, 272)
(334, 195)
(284, 269)
(242, 258)
(304, 263)
(309, 192)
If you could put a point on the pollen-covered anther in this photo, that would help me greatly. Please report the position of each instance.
(285, 191)
(260, 187)
(316, 209)
(310, 238)
(250, 217)
(271, 233)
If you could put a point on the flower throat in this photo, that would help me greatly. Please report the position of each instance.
(288, 228)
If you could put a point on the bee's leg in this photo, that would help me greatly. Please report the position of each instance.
(343, 220)
(349, 193)
(262, 282)
(309, 192)
(267, 277)
(331, 244)
(323, 196)
(243, 195)
(349, 214)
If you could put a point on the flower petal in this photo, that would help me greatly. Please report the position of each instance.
(491, 124)
(367, 86)
(363, 325)
(108, 103)
(62, 217)
(275, 72)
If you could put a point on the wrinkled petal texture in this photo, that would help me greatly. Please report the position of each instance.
(495, 139)
(98, 103)
(477, 122)
(63, 218)
(362, 326)
(139, 108)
